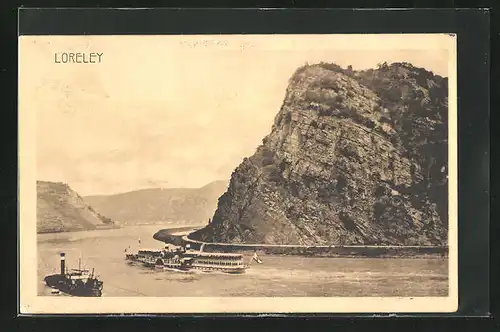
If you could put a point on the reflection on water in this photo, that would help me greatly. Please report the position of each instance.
(278, 276)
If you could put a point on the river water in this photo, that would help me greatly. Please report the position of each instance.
(278, 276)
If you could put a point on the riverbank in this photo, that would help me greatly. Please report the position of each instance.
(141, 232)
(97, 228)
(167, 236)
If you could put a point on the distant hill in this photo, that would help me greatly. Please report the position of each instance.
(180, 205)
(61, 209)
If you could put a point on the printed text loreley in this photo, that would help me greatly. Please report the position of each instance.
(78, 57)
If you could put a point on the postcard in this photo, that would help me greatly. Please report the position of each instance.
(238, 174)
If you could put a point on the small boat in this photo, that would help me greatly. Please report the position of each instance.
(184, 259)
(76, 282)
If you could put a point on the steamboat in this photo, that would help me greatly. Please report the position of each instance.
(184, 259)
(76, 282)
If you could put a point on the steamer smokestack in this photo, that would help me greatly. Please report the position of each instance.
(63, 263)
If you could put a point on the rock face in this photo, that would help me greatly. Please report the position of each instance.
(352, 158)
(179, 205)
(61, 209)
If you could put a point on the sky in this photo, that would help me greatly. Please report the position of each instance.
(177, 111)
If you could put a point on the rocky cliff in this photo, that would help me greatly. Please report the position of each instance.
(353, 157)
(61, 209)
(178, 205)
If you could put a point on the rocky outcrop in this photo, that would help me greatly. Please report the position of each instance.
(352, 158)
(146, 206)
(61, 209)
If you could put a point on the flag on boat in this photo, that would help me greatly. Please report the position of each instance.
(256, 258)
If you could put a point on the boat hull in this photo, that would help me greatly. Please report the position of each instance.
(62, 284)
(238, 270)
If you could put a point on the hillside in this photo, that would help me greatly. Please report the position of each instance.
(61, 209)
(181, 205)
(353, 157)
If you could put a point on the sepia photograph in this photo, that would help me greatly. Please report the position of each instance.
(238, 173)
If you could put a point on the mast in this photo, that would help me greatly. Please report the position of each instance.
(80, 261)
